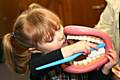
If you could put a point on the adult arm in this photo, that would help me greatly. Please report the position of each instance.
(106, 21)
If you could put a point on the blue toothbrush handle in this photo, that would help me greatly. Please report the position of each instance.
(101, 45)
(68, 59)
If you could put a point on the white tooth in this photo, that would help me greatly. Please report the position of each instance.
(101, 50)
(90, 55)
(89, 39)
(75, 62)
(97, 53)
(68, 37)
(72, 37)
(93, 54)
(93, 58)
(98, 56)
(79, 62)
(84, 37)
(77, 37)
(84, 62)
(97, 40)
(92, 39)
(80, 38)
(89, 59)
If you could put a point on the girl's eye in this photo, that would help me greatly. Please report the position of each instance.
(49, 40)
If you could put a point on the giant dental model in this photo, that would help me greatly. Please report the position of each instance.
(94, 60)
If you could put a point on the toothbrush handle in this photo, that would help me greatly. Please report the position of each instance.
(70, 58)
(101, 45)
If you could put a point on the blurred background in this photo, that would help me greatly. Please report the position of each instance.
(80, 12)
(75, 12)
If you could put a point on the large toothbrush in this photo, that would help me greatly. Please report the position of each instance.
(68, 59)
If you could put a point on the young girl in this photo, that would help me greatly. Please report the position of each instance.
(41, 32)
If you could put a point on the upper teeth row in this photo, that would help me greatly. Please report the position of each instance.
(87, 38)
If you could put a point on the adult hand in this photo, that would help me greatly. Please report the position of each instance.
(113, 60)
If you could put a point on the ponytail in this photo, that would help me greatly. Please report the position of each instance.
(8, 49)
(17, 61)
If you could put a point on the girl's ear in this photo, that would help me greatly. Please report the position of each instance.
(34, 50)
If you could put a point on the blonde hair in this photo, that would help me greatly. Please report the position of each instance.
(37, 24)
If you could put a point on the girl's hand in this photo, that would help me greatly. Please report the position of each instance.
(77, 47)
(113, 60)
(83, 46)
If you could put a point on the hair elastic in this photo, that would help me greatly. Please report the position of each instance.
(13, 34)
